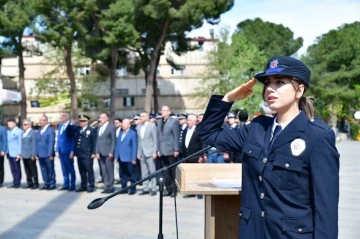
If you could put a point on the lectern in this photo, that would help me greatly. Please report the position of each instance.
(222, 205)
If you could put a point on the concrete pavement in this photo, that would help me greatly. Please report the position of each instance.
(35, 214)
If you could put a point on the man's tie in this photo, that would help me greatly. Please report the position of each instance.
(277, 131)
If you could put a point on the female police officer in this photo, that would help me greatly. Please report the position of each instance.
(290, 169)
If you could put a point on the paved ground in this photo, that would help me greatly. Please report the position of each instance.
(28, 214)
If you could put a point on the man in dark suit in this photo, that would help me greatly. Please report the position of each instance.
(182, 127)
(28, 154)
(105, 147)
(84, 150)
(45, 142)
(191, 142)
(65, 151)
(3, 149)
(168, 130)
(126, 151)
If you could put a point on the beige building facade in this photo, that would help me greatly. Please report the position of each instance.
(176, 88)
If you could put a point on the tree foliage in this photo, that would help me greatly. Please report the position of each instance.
(273, 39)
(231, 65)
(335, 63)
(158, 19)
(15, 18)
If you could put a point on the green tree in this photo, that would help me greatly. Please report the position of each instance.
(111, 30)
(60, 24)
(16, 16)
(273, 39)
(157, 19)
(335, 64)
(53, 87)
(231, 65)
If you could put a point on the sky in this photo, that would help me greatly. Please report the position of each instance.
(306, 18)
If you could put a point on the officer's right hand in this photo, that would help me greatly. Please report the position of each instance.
(2, 154)
(240, 92)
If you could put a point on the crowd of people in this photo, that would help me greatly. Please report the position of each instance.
(130, 148)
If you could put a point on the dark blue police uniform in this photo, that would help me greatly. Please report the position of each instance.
(286, 193)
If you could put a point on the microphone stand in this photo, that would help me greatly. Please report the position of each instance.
(100, 201)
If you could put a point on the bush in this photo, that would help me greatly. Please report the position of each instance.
(355, 131)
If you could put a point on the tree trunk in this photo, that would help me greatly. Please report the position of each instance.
(114, 60)
(155, 85)
(23, 104)
(152, 68)
(70, 72)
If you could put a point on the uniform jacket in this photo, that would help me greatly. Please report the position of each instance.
(105, 144)
(14, 137)
(147, 146)
(65, 141)
(28, 145)
(126, 150)
(3, 139)
(283, 195)
(168, 136)
(45, 143)
(84, 142)
(195, 145)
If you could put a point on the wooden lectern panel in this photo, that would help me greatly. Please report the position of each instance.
(221, 205)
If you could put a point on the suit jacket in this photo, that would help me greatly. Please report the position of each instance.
(194, 146)
(105, 144)
(45, 143)
(147, 146)
(3, 139)
(84, 142)
(65, 141)
(28, 145)
(168, 137)
(14, 138)
(126, 150)
(290, 190)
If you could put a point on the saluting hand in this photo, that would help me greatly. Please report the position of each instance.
(240, 92)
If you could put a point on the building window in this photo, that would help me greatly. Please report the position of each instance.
(122, 91)
(143, 91)
(83, 71)
(106, 103)
(128, 101)
(121, 72)
(177, 72)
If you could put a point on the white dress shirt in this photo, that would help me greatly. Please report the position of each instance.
(118, 132)
(26, 132)
(63, 128)
(142, 129)
(189, 134)
(102, 128)
(44, 129)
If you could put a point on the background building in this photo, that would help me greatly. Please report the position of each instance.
(176, 87)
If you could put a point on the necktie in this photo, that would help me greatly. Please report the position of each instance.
(277, 131)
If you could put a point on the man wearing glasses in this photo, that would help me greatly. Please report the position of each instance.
(28, 154)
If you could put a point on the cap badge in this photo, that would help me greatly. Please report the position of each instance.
(274, 63)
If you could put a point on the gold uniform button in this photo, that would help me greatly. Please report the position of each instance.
(264, 160)
(262, 214)
(262, 195)
(287, 165)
